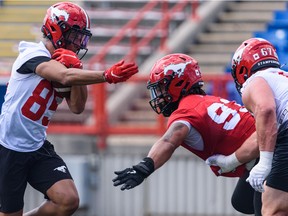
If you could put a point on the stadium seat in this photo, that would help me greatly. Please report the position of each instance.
(281, 15)
(278, 37)
(280, 20)
(277, 24)
(277, 33)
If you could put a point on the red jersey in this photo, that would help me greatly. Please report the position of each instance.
(224, 126)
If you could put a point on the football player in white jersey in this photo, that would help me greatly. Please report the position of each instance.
(30, 102)
(263, 86)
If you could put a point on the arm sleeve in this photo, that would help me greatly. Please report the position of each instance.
(184, 122)
(31, 64)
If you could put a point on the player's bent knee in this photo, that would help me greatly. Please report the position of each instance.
(70, 203)
(66, 201)
(64, 194)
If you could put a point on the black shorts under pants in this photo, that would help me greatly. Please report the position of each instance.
(278, 177)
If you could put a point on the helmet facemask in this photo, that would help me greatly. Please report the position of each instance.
(161, 100)
(78, 38)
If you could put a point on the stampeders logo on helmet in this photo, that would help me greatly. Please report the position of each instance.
(55, 12)
(238, 56)
(270, 61)
(177, 68)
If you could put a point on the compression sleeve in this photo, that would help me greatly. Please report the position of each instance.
(31, 64)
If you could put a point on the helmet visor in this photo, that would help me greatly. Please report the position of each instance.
(78, 38)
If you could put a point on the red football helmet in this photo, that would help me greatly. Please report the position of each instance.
(171, 78)
(67, 23)
(253, 54)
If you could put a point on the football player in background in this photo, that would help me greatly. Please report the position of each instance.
(263, 87)
(204, 125)
(30, 102)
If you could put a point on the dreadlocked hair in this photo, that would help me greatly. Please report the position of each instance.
(197, 89)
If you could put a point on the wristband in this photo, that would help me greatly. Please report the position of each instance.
(266, 158)
(145, 167)
(233, 160)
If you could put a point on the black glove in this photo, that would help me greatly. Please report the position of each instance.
(131, 177)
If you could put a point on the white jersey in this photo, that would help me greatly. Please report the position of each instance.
(278, 82)
(29, 102)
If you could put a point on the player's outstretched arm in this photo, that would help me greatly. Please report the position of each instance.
(64, 68)
(160, 152)
(120, 72)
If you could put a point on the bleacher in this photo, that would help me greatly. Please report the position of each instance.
(240, 21)
(23, 19)
(19, 20)
(111, 19)
(277, 33)
(213, 48)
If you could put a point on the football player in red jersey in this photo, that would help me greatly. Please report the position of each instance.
(30, 102)
(204, 125)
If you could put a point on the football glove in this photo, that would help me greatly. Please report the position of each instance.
(120, 72)
(226, 163)
(131, 177)
(260, 171)
(67, 58)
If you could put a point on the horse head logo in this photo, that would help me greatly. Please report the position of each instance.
(177, 68)
(55, 12)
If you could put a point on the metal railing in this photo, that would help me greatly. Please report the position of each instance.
(160, 28)
(101, 125)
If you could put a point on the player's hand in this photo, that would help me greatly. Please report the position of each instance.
(120, 72)
(226, 163)
(67, 58)
(259, 173)
(131, 177)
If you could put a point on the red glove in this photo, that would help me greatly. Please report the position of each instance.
(67, 58)
(120, 72)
